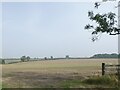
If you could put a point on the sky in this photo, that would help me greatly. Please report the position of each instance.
(0, 29)
(119, 28)
(44, 29)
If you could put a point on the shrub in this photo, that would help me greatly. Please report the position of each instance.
(23, 58)
(3, 61)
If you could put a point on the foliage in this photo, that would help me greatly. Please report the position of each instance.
(105, 23)
(51, 57)
(28, 58)
(45, 58)
(114, 55)
(24, 58)
(67, 57)
(3, 61)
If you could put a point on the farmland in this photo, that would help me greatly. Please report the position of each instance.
(51, 73)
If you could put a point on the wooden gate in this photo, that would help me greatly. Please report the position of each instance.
(110, 69)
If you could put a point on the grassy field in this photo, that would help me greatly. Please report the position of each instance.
(52, 73)
(10, 61)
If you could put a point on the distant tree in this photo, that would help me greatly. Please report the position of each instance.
(27, 58)
(118, 55)
(3, 61)
(23, 58)
(45, 58)
(67, 56)
(51, 57)
(113, 55)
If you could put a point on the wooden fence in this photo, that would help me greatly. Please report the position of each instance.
(110, 69)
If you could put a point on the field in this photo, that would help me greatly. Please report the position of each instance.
(51, 73)
(7, 61)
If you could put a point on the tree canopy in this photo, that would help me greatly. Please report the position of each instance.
(113, 55)
(105, 23)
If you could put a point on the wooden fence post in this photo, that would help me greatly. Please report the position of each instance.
(103, 68)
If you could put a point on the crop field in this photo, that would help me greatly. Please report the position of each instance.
(51, 73)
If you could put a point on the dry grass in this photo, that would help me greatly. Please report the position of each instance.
(49, 73)
(58, 65)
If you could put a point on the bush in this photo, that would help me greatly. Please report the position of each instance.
(3, 61)
(24, 58)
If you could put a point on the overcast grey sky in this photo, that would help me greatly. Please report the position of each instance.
(0, 29)
(52, 29)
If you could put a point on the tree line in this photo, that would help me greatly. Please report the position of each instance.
(113, 55)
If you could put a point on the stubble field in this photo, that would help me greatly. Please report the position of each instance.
(51, 73)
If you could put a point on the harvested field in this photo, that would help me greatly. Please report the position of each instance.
(50, 73)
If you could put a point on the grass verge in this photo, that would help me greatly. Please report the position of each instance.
(108, 81)
(103, 81)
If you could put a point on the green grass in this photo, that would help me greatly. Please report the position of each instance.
(70, 83)
(96, 81)
(1, 86)
(4, 85)
(107, 80)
